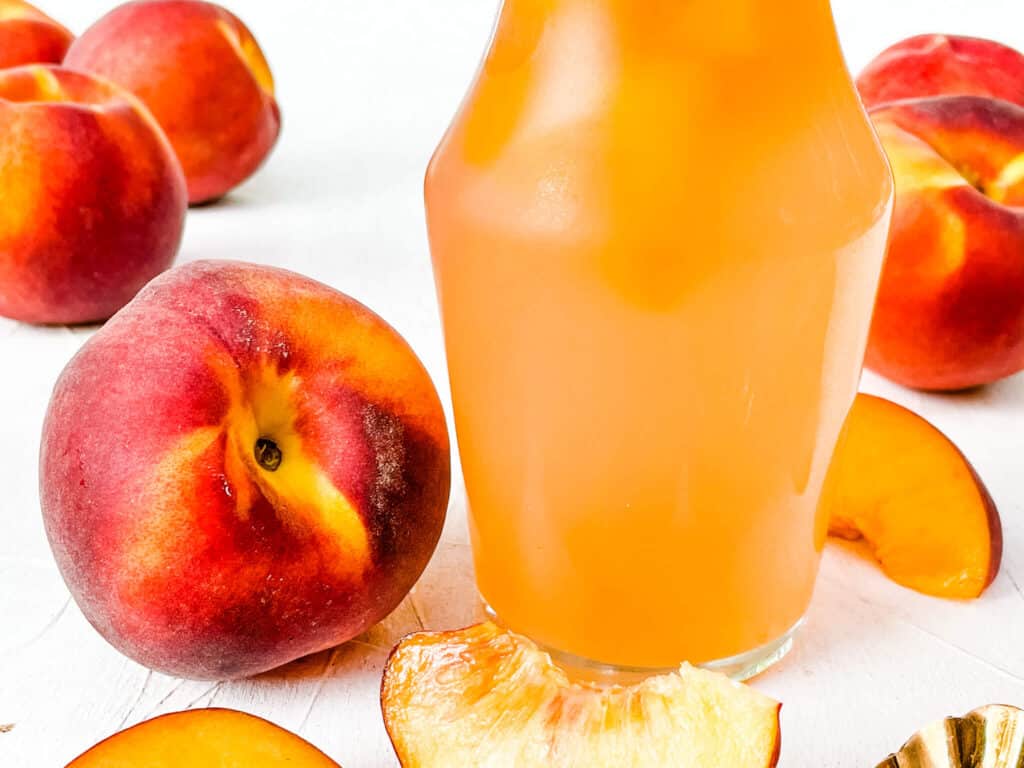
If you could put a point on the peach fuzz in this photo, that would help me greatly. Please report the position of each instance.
(93, 198)
(241, 468)
(943, 65)
(29, 36)
(204, 738)
(203, 76)
(950, 310)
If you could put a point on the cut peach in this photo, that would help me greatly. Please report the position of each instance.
(204, 738)
(487, 698)
(905, 489)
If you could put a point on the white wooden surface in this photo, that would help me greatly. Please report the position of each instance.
(367, 88)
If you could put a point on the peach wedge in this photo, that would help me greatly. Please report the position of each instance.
(950, 311)
(487, 698)
(905, 489)
(204, 738)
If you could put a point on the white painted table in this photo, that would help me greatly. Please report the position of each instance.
(367, 88)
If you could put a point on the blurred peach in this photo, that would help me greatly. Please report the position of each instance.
(203, 76)
(28, 36)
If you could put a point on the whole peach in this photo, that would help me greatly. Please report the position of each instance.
(92, 199)
(28, 36)
(943, 65)
(242, 467)
(950, 310)
(203, 76)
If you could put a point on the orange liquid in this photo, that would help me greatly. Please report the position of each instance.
(657, 229)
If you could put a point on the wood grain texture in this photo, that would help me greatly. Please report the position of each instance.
(367, 89)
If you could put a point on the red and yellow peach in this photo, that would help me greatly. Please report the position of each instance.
(29, 36)
(950, 310)
(204, 738)
(241, 468)
(93, 199)
(203, 76)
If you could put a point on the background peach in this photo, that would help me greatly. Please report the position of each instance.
(950, 310)
(243, 467)
(93, 199)
(202, 74)
(28, 36)
(933, 65)
(204, 738)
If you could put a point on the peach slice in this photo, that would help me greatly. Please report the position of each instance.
(950, 310)
(489, 698)
(904, 488)
(29, 36)
(204, 738)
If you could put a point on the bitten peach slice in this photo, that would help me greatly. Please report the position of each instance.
(204, 738)
(488, 698)
(939, 65)
(904, 488)
(29, 36)
(243, 467)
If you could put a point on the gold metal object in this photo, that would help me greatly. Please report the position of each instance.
(990, 737)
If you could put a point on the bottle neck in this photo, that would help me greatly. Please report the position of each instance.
(674, 27)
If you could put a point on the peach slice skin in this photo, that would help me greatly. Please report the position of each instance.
(902, 486)
(204, 738)
(488, 698)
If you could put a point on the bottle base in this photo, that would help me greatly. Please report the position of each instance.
(740, 667)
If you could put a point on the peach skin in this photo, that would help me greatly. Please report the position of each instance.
(950, 310)
(243, 467)
(93, 198)
(204, 738)
(203, 76)
(29, 36)
(943, 65)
